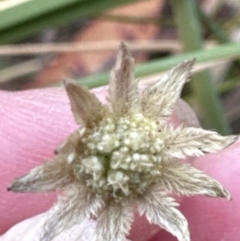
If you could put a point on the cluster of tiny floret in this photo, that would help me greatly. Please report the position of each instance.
(122, 155)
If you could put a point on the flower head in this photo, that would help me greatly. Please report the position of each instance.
(126, 156)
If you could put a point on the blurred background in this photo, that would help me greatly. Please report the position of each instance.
(43, 42)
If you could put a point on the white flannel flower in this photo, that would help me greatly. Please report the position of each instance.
(126, 156)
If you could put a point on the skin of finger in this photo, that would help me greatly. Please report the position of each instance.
(29, 229)
(37, 109)
(33, 123)
(210, 218)
(207, 217)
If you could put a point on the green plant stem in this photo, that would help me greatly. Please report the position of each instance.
(28, 24)
(29, 10)
(156, 66)
(202, 84)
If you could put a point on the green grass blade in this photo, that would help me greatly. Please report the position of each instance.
(73, 12)
(152, 67)
(204, 89)
(29, 10)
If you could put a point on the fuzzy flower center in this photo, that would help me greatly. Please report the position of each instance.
(122, 155)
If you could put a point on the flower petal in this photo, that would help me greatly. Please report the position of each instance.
(123, 91)
(161, 210)
(187, 180)
(52, 175)
(75, 205)
(158, 99)
(86, 108)
(191, 141)
(114, 222)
